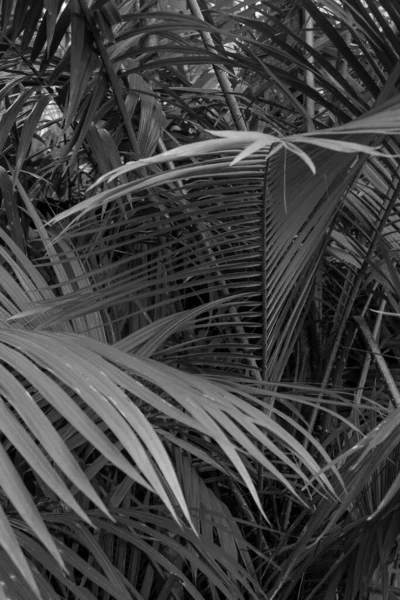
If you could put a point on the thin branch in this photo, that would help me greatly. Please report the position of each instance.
(380, 361)
(221, 75)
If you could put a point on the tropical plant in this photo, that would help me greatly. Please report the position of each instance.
(199, 299)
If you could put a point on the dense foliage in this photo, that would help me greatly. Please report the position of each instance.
(199, 299)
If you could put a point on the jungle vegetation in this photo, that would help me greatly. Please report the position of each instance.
(199, 299)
